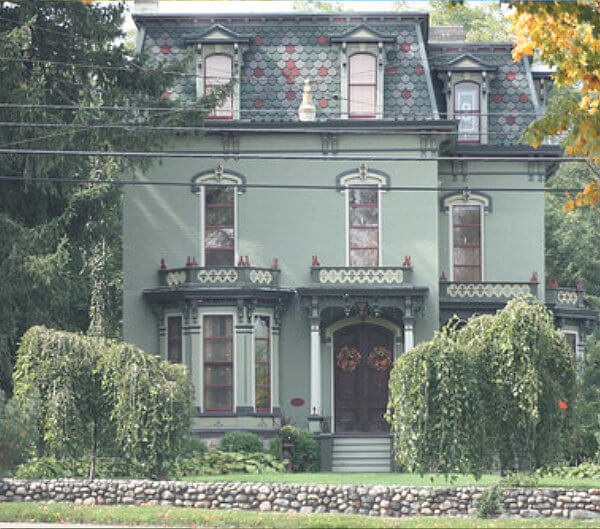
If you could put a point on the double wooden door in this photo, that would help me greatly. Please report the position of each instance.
(361, 377)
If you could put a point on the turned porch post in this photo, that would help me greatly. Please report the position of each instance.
(409, 326)
(315, 362)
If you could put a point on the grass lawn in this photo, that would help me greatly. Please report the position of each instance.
(188, 517)
(331, 478)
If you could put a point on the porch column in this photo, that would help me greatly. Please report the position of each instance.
(276, 406)
(315, 368)
(243, 352)
(409, 326)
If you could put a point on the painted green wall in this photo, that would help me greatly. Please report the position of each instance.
(164, 222)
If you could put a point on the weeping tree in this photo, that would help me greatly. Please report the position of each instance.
(99, 396)
(492, 391)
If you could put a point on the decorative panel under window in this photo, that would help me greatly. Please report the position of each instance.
(219, 229)
(218, 362)
(363, 226)
(262, 363)
(466, 243)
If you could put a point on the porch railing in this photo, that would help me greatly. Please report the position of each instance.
(357, 276)
(484, 290)
(220, 276)
(565, 297)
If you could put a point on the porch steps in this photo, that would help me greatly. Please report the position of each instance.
(361, 454)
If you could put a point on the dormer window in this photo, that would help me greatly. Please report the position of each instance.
(362, 63)
(466, 83)
(219, 53)
(218, 71)
(467, 110)
(362, 86)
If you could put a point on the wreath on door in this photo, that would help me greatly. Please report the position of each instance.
(380, 358)
(348, 359)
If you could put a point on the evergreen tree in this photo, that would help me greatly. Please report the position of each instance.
(60, 243)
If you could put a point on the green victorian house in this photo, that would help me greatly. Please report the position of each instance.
(293, 303)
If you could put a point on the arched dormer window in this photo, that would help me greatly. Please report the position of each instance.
(218, 191)
(466, 212)
(467, 110)
(218, 71)
(363, 190)
(362, 85)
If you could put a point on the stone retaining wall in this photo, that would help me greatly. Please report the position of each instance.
(292, 497)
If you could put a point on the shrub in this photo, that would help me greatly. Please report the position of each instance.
(17, 430)
(217, 462)
(43, 468)
(192, 446)
(584, 470)
(306, 452)
(241, 442)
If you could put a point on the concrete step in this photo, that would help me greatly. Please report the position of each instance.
(361, 454)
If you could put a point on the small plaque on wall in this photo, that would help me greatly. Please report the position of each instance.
(297, 401)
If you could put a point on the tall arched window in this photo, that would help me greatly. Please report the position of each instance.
(362, 86)
(467, 242)
(218, 70)
(467, 111)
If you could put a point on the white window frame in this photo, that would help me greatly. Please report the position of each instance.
(457, 112)
(356, 180)
(222, 179)
(233, 363)
(451, 206)
(233, 78)
(235, 52)
(347, 49)
(270, 316)
(166, 338)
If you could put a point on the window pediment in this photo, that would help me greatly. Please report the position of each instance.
(217, 34)
(362, 33)
(218, 175)
(467, 63)
(460, 197)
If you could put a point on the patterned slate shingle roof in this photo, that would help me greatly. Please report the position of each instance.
(283, 51)
(510, 104)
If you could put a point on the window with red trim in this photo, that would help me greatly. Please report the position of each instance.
(363, 226)
(467, 111)
(466, 242)
(218, 362)
(362, 85)
(175, 339)
(218, 70)
(219, 226)
(262, 363)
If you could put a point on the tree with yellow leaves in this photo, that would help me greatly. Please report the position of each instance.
(565, 36)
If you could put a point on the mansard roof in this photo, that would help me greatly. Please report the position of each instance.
(285, 48)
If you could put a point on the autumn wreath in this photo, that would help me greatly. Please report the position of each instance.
(380, 358)
(348, 359)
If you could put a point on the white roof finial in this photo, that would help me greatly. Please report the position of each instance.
(307, 110)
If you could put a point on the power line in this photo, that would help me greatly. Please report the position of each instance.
(308, 157)
(207, 109)
(137, 126)
(288, 186)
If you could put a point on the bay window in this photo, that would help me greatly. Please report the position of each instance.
(218, 363)
(175, 339)
(262, 363)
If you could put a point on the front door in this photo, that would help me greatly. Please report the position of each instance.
(363, 355)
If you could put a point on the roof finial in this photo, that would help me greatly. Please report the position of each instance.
(307, 110)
